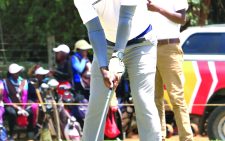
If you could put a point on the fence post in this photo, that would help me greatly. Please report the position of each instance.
(51, 56)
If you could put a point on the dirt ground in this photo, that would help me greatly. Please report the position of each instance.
(173, 138)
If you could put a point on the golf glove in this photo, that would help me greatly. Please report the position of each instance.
(116, 64)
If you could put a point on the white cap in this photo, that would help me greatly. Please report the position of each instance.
(53, 83)
(64, 48)
(14, 68)
(41, 71)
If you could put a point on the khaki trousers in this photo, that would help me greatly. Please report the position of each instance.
(169, 73)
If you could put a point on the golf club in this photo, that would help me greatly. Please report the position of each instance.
(105, 111)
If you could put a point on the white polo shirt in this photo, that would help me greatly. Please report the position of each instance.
(108, 13)
(163, 27)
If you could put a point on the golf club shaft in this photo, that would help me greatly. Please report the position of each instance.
(104, 113)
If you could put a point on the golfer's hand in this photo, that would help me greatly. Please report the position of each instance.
(153, 7)
(116, 80)
(108, 77)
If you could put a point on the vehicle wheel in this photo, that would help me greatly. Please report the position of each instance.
(195, 129)
(216, 124)
(169, 130)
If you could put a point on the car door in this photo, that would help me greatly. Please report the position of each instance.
(204, 68)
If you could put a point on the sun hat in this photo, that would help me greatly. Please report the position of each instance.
(15, 68)
(82, 45)
(63, 48)
(41, 71)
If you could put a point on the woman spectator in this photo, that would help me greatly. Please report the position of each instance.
(81, 66)
(15, 95)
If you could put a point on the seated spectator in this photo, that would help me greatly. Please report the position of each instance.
(81, 66)
(15, 95)
(39, 74)
(63, 70)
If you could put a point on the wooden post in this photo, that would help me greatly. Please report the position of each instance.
(51, 56)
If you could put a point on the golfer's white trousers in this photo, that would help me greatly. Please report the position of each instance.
(140, 62)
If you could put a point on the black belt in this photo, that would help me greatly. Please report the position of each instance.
(129, 43)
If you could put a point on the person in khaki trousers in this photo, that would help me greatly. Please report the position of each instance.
(169, 15)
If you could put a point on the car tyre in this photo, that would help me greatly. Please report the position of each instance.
(216, 124)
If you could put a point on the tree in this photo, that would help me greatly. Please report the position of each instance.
(28, 23)
(203, 12)
(217, 12)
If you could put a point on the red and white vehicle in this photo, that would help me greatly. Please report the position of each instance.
(204, 70)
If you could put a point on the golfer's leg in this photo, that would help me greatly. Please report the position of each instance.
(98, 95)
(141, 64)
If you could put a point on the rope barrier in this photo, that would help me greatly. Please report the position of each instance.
(84, 104)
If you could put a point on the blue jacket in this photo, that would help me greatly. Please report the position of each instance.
(78, 66)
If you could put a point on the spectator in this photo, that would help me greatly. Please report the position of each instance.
(15, 95)
(40, 74)
(63, 71)
(81, 66)
(169, 16)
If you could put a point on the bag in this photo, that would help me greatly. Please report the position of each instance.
(86, 77)
(85, 82)
(71, 133)
(22, 121)
(111, 129)
(3, 134)
(68, 97)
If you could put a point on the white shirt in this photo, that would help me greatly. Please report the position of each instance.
(108, 13)
(163, 27)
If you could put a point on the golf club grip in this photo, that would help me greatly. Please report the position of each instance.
(105, 111)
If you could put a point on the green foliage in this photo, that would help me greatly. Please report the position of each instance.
(26, 24)
(193, 12)
(32, 21)
(194, 1)
(203, 12)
